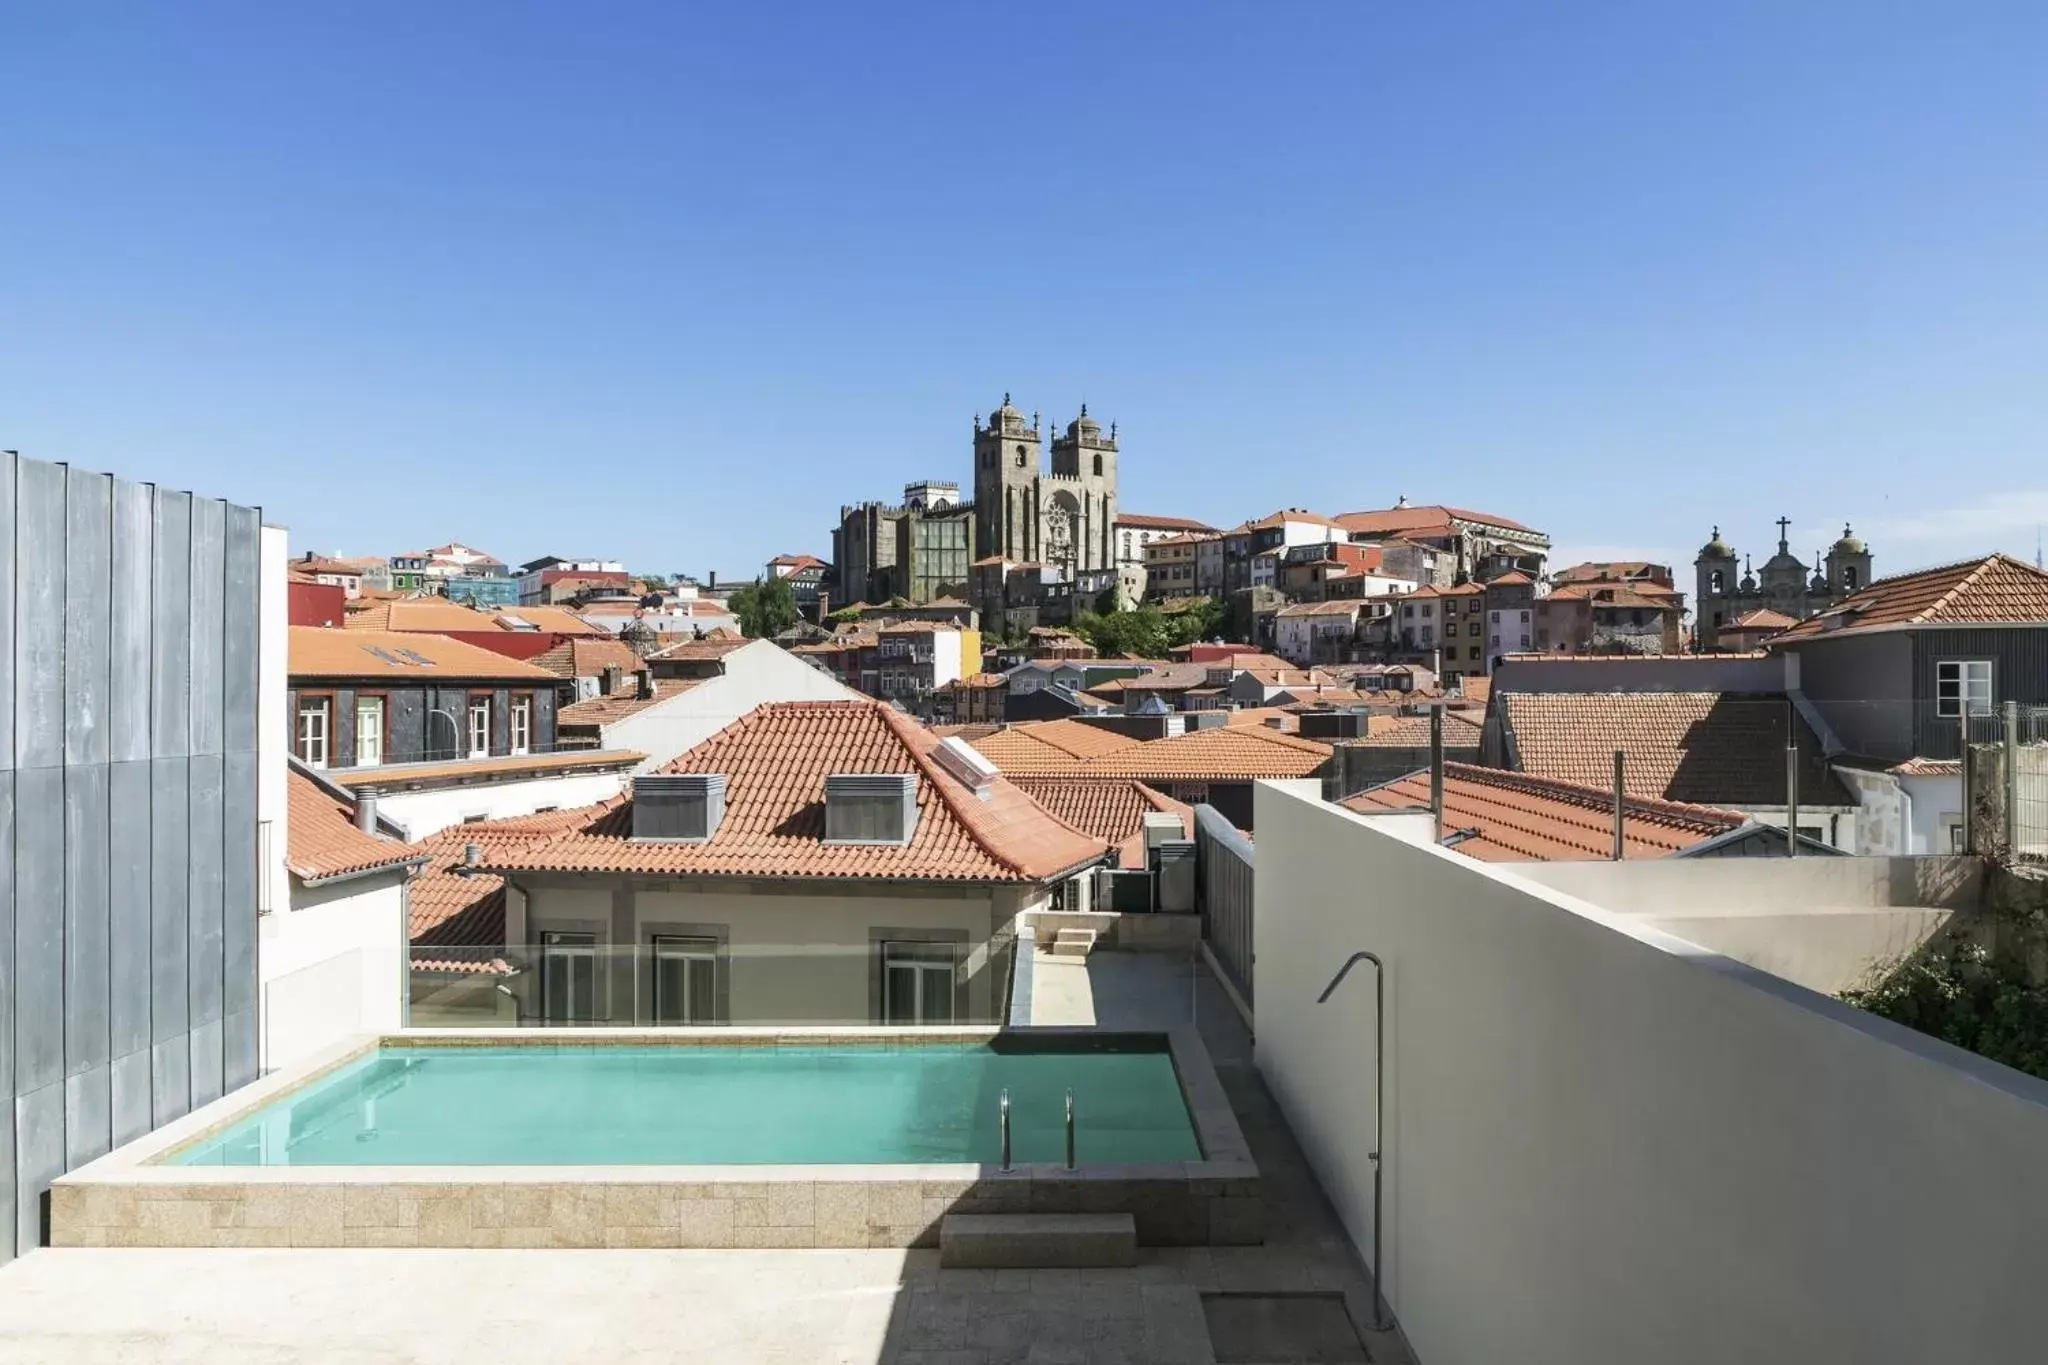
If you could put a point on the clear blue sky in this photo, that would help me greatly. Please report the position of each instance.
(671, 282)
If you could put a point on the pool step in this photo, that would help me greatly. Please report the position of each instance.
(1013, 1241)
(1073, 943)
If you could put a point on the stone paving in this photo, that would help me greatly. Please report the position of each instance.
(866, 1307)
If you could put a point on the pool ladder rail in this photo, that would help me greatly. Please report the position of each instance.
(1003, 1122)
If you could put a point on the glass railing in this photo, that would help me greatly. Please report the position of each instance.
(1134, 971)
(573, 979)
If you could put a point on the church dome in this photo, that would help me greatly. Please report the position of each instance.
(1848, 544)
(1717, 548)
(1084, 422)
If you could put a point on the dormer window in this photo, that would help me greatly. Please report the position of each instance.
(870, 808)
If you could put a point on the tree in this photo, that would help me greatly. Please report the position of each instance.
(765, 609)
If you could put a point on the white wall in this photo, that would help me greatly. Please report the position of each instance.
(273, 635)
(758, 672)
(333, 964)
(1824, 923)
(1936, 803)
(423, 813)
(1607, 1145)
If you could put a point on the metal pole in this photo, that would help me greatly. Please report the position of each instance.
(1963, 754)
(1436, 769)
(1070, 1130)
(2012, 778)
(1620, 809)
(1380, 1321)
(1792, 798)
(1003, 1113)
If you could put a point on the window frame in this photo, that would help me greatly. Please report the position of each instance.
(519, 724)
(315, 703)
(920, 957)
(477, 702)
(558, 954)
(1961, 703)
(687, 948)
(373, 704)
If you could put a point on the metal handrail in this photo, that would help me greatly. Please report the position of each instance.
(1070, 1130)
(1379, 1091)
(1003, 1119)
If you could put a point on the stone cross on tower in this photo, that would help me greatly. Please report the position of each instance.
(1783, 524)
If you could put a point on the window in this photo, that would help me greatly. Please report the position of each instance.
(1960, 684)
(685, 980)
(917, 983)
(1525, 641)
(1475, 651)
(1472, 628)
(479, 727)
(1848, 578)
(1715, 583)
(1525, 618)
(369, 731)
(312, 732)
(1953, 823)
(568, 978)
(522, 725)
(1098, 466)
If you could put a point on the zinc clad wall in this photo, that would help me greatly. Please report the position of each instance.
(127, 817)
(2019, 672)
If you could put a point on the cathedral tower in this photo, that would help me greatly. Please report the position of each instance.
(1006, 469)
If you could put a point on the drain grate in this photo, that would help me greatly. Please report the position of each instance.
(1281, 1329)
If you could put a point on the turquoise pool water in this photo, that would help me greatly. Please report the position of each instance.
(584, 1106)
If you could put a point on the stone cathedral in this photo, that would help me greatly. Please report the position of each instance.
(1064, 519)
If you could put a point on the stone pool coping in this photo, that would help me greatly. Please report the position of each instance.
(130, 1198)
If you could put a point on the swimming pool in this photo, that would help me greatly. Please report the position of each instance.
(727, 1106)
(694, 1137)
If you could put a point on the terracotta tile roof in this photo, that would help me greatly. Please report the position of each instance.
(463, 913)
(1321, 609)
(555, 620)
(587, 657)
(397, 775)
(1705, 748)
(1518, 818)
(315, 564)
(1050, 745)
(1475, 688)
(1112, 810)
(1461, 732)
(1605, 571)
(1513, 578)
(320, 652)
(775, 761)
(1223, 754)
(321, 838)
(1283, 516)
(975, 682)
(1994, 590)
(1144, 523)
(1290, 721)
(970, 732)
(1763, 618)
(800, 561)
(1289, 677)
(1422, 519)
(706, 648)
(627, 701)
(1928, 767)
(1192, 538)
(430, 614)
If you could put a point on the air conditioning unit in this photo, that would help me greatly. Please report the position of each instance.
(1173, 865)
(1122, 890)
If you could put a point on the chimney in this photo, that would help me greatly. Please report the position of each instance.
(366, 809)
(608, 680)
(472, 856)
(645, 677)
(870, 808)
(684, 808)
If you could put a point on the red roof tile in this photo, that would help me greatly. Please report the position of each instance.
(1223, 754)
(775, 761)
(1994, 590)
(321, 838)
(587, 657)
(1423, 518)
(463, 913)
(627, 701)
(1518, 818)
(1109, 809)
(319, 652)
(1144, 523)
(1705, 748)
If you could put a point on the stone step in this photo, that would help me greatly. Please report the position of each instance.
(1073, 943)
(1013, 1241)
